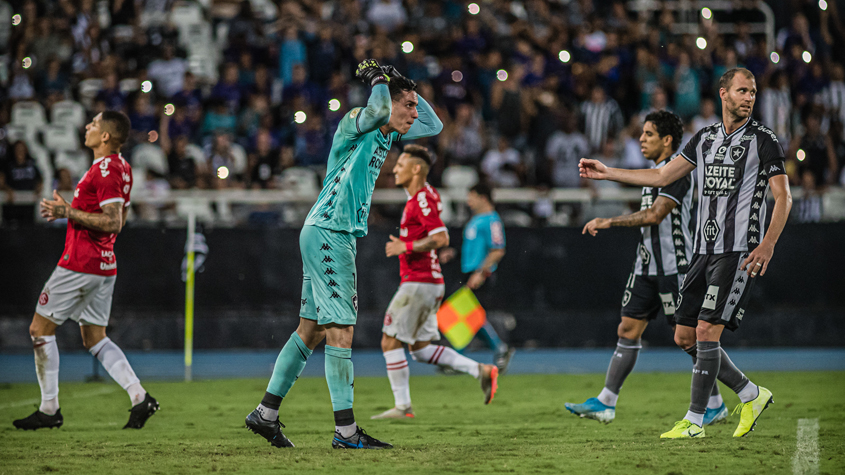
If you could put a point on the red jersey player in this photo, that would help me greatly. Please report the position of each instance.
(81, 286)
(411, 317)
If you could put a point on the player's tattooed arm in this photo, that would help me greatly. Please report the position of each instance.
(396, 246)
(109, 221)
(648, 217)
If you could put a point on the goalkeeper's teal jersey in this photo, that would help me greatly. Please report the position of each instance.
(358, 152)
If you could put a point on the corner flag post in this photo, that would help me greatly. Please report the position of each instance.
(189, 298)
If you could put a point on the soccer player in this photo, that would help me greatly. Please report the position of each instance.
(663, 256)
(411, 317)
(481, 250)
(736, 161)
(329, 304)
(81, 286)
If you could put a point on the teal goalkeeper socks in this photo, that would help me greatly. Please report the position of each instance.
(289, 365)
(340, 377)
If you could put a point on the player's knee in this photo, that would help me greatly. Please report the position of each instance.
(684, 340)
(706, 333)
(628, 330)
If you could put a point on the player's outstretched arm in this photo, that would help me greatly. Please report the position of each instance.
(109, 221)
(647, 217)
(758, 261)
(396, 246)
(656, 177)
(427, 124)
(377, 112)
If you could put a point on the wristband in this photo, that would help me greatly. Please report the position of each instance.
(380, 79)
(409, 246)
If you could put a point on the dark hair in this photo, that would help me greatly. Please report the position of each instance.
(418, 151)
(727, 78)
(400, 85)
(667, 123)
(483, 189)
(118, 125)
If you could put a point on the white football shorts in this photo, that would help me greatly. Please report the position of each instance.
(83, 298)
(412, 313)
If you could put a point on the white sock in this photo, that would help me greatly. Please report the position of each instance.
(47, 369)
(399, 374)
(266, 413)
(697, 419)
(444, 356)
(607, 397)
(715, 402)
(115, 362)
(347, 431)
(748, 393)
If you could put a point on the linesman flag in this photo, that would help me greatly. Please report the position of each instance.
(460, 317)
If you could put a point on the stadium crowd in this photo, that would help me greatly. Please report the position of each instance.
(525, 89)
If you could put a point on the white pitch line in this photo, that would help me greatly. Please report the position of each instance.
(806, 459)
(28, 402)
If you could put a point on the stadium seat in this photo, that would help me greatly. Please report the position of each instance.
(68, 113)
(29, 114)
(15, 133)
(60, 138)
(129, 85)
(42, 161)
(88, 89)
(203, 66)
(460, 177)
(147, 156)
(5, 24)
(304, 181)
(516, 218)
(186, 13)
(77, 162)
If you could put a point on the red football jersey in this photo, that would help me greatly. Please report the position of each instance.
(421, 218)
(109, 180)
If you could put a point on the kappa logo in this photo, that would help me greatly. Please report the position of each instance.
(711, 230)
(326, 216)
(735, 291)
(325, 247)
(327, 259)
(678, 242)
(334, 295)
(676, 222)
(318, 309)
(753, 240)
(304, 302)
(774, 168)
(682, 263)
(753, 217)
(759, 194)
(677, 232)
(329, 271)
(740, 279)
(753, 229)
(330, 203)
(732, 302)
(332, 283)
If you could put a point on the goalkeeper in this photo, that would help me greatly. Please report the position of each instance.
(329, 304)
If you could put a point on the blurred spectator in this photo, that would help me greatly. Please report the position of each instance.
(111, 95)
(563, 151)
(143, 117)
(64, 180)
(19, 173)
(776, 107)
(300, 86)
(602, 117)
(687, 88)
(219, 118)
(223, 162)
(183, 169)
(190, 97)
(387, 14)
(503, 166)
(832, 98)
(707, 115)
(323, 56)
(817, 165)
(168, 72)
(227, 88)
(291, 53)
(20, 87)
(310, 141)
(507, 101)
(265, 162)
(462, 138)
(52, 79)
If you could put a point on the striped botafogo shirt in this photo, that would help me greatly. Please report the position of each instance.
(666, 248)
(733, 172)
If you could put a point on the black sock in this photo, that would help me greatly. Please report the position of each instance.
(704, 375)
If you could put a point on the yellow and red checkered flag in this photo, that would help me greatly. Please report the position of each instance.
(460, 317)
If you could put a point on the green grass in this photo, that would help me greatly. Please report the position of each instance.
(525, 430)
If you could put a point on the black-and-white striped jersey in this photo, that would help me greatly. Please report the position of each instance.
(666, 248)
(733, 172)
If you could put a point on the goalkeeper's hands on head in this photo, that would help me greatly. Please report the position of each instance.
(371, 73)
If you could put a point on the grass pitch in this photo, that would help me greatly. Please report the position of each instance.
(200, 429)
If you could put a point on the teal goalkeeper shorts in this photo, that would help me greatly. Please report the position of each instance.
(329, 281)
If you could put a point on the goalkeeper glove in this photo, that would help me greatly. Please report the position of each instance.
(371, 73)
(391, 71)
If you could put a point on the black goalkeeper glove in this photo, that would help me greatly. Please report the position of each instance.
(391, 71)
(371, 73)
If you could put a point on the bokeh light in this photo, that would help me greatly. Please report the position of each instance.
(564, 56)
(800, 155)
(169, 109)
(706, 13)
(473, 8)
(407, 47)
(222, 173)
(502, 75)
(299, 117)
(334, 105)
(823, 5)
(457, 76)
(701, 42)
(774, 57)
(27, 62)
(16, 19)
(806, 56)
(146, 86)
(152, 136)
